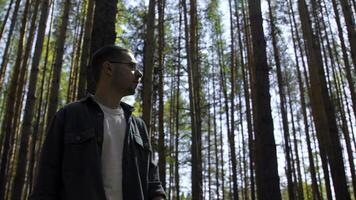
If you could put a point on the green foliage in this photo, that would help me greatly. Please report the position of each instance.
(3, 5)
(122, 21)
(214, 16)
(138, 109)
(130, 28)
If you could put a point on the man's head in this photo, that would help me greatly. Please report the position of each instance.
(115, 68)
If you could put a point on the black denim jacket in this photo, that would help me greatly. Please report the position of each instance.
(70, 164)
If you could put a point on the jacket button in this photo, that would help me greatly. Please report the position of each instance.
(77, 137)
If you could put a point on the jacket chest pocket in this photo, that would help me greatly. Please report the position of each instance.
(80, 149)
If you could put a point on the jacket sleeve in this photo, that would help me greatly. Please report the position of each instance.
(154, 184)
(155, 188)
(48, 180)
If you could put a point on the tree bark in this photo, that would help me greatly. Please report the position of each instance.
(282, 97)
(248, 108)
(193, 68)
(103, 32)
(57, 65)
(161, 139)
(316, 192)
(37, 132)
(231, 136)
(215, 137)
(5, 59)
(322, 108)
(84, 58)
(266, 161)
(7, 128)
(177, 135)
(3, 24)
(148, 60)
(345, 56)
(351, 29)
(26, 133)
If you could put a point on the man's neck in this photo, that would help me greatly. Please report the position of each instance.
(108, 99)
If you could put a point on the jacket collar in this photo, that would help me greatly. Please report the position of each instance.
(126, 107)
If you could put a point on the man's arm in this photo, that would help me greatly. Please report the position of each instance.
(155, 189)
(47, 183)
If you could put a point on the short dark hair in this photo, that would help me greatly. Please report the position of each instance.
(105, 53)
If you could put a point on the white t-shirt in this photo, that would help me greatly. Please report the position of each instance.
(112, 150)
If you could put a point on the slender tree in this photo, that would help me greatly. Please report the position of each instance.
(194, 74)
(26, 132)
(266, 161)
(7, 125)
(84, 58)
(5, 59)
(57, 65)
(282, 97)
(231, 136)
(37, 131)
(3, 23)
(177, 117)
(148, 52)
(161, 142)
(345, 55)
(322, 108)
(351, 28)
(248, 107)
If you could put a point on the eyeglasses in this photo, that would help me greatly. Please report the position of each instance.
(134, 67)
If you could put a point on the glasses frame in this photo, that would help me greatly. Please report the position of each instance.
(134, 70)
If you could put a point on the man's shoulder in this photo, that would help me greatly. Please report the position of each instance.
(139, 121)
(75, 116)
(72, 107)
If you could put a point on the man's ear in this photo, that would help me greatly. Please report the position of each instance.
(107, 68)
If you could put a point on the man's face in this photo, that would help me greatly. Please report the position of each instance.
(125, 76)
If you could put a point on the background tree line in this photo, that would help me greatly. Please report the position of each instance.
(243, 99)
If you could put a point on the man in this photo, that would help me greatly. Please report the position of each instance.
(94, 148)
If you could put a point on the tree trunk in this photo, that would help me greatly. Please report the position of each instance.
(322, 108)
(37, 133)
(296, 150)
(248, 108)
(231, 136)
(345, 56)
(266, 160)
(351, 29)
(3, 24)
(209, 150)
(215, 137)
(7, 126)
(221, 148)
(316, 192)
(177, 135)
(161, 140)
(282, 97)
(57, 65)
(197, 190)
(84, 58)
(5, 58)
(26, 133)
(148, 60)
(75, 54)
(103, 32)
